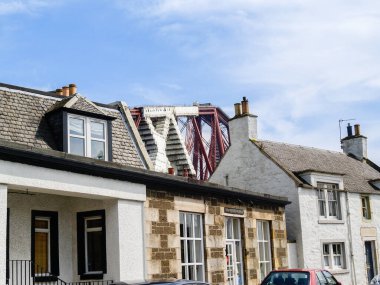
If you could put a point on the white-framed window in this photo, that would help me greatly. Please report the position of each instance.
(191, 234)
(366, 208)
(42, 245)
(333, 255)
(328, 200)
(91, 238)
(265, 248)
(87, 137)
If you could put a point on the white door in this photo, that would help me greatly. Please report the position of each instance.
(234, 252)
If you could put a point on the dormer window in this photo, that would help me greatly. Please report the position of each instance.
(87, 137)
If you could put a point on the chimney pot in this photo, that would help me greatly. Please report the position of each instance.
(245, 106)
(72, 89)
(237, 109)
(349, 130)
(65, 91)
(59, 91)
(357, 130)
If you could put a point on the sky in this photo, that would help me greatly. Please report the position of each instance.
(303, 65)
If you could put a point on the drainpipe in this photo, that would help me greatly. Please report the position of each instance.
(352, 263)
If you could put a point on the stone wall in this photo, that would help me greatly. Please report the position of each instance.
(163, 241)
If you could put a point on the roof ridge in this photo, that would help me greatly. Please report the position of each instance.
(302, 146)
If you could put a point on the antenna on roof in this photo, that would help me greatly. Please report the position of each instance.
(340, 126)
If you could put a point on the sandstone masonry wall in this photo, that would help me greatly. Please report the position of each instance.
(162, 230)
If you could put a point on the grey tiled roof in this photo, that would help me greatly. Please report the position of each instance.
(296, 159)
(79, 103)
(22, 121)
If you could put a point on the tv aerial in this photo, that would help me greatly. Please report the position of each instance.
(340, 126)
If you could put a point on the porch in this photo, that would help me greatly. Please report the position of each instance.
(61, 228)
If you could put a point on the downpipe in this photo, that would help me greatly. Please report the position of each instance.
(352, 261)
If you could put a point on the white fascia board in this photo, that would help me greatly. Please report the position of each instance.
(20, 176)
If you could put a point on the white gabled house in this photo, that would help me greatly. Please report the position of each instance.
(333, 221)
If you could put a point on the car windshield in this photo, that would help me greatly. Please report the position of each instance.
(287, 278)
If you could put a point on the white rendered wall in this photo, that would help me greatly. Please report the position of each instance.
(248, 168)
(3, 232)
(364, 230)
(315, 232)
(51, 181)
(124, 237)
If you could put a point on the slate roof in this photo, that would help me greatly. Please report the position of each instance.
(22, 120)
(79, 103)
(298, 159)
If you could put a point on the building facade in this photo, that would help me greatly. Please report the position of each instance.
(80, 205)
(333, 220)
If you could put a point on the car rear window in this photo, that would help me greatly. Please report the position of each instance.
(287, 278)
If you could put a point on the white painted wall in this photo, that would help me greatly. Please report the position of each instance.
(248, 168)
(124, 236)
(69, 193)
(51, 181)
(3, 232)
(314, 233)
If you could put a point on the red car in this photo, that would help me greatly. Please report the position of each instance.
(300, 277)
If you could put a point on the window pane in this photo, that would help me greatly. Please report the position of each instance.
(238, 251)
(197, 226)
(198, 250)
(95, 251)
(189, 225)
(190, 251)
(183, 251)
(191, 272)
(229, 228)
(94, 223)
(77, 146)
(97, 150)
(260, 235)
(184, 272)
(97, 130)
(41, 252)
(261, 251)
(76, 127)
(41, 224)
(200, 273)
(266, 231)
(236, 226)
(182, 224)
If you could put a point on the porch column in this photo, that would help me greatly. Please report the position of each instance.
(3, 232)
(125, 241)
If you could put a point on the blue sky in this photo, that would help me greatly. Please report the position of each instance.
(302, 64)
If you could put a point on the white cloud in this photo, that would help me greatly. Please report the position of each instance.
(9, 7)
(319, 58)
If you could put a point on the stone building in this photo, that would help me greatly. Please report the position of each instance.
(80, 203)
(333, 221)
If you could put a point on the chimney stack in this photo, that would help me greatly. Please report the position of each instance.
(355, 144)
(72, 89)
(243, 126)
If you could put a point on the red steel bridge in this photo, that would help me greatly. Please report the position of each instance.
(206, 136)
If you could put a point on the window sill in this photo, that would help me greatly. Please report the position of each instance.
(339, 271)
(45, 278)
(91, 276)
(330, 221)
